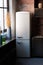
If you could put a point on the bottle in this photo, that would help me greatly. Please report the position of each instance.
(3, 38)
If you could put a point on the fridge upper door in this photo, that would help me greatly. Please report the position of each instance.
(23, 25)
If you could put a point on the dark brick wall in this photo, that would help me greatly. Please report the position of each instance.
(25, 5)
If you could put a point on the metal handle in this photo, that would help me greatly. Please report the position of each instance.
(19, 37)
(19, 42)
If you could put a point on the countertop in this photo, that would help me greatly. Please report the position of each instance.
(8, 52)
(7, 41)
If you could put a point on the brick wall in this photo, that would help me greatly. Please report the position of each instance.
(25, 5)
(27, 1)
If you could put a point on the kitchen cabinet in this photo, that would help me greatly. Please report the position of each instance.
(37, 40)
(37, 46)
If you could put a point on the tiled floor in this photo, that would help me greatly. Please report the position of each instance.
(30, 61)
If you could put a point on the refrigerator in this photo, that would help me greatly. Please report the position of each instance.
(22, 34)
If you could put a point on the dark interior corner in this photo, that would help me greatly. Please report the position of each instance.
(8, 53)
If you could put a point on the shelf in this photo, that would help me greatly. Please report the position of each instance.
(38, 12)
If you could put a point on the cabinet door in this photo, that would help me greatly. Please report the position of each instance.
(23, 48)
(23, 25)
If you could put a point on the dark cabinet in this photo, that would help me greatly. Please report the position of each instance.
(8, 53)
(37, 46)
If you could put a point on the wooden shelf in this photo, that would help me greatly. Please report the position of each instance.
(38, 12)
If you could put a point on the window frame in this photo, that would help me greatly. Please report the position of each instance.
(7, 8)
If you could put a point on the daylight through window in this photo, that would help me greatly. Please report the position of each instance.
(3, 12)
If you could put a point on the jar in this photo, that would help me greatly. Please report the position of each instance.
(39, 5)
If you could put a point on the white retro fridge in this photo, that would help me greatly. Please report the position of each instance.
(23, 34)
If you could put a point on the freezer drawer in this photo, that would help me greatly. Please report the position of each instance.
(23, 48)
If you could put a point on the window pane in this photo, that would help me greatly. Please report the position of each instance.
(1, 3)
(5, 3)
(5, 15)
(1, 18)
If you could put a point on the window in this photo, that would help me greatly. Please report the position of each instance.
(3, 12)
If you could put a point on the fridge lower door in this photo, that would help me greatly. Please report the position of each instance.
(23, 48)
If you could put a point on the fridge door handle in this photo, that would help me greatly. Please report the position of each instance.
(19, 42)
(19, 37)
